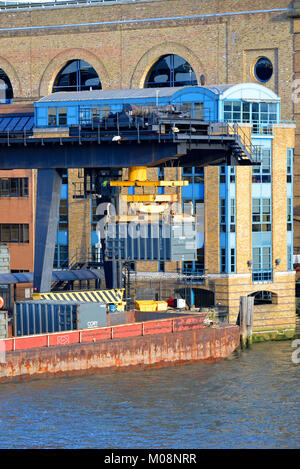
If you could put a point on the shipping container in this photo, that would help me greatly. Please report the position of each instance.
(38, 317)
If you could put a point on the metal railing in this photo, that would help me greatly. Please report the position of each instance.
(159, 124)
(11, 5)
(234, 129)
(262, 275)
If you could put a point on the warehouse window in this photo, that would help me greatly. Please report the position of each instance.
(262, 264)
(63, 215)
(170, 71)
(289, 214)
(261, 214)
(232, 260)
(223, 215)
(223, 260)
(289, 162)
(262, 173)
(6, 91)
(77, 75)
(14, 233)
(14, 187)
(61, 256)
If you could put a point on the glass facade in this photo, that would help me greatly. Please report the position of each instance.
(260, 114)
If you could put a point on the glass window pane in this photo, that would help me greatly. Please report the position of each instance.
(170, 70)
(263, 69)
(77, 75)
(62, 116)
(51, 116)
(6, 90)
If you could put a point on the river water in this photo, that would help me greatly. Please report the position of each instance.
(250, 400)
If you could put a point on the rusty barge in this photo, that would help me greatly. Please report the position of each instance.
(138, 343)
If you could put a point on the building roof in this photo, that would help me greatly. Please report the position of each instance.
(244, 90)
(92, 95)
(59, 275)
(16, 122)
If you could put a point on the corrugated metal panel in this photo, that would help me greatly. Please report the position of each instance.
(37, 317)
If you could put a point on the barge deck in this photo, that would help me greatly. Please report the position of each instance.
(149, 343)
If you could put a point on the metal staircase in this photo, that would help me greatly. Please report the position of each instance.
(80, 261)
(241, 145)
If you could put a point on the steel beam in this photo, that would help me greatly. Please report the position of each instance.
(54, 155)
(47, 214)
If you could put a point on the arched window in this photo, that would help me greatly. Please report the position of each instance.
(169, 71)
(77, 75)
(264, 298)
(6, 91)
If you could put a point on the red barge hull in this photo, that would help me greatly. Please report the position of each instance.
(149, 343)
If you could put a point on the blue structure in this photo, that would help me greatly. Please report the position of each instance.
(240, 103)
(64, 109)
(82, 116)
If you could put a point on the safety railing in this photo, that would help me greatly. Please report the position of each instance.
(262, 275)
(55, 3)
(121, 331)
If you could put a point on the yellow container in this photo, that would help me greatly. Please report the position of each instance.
(146, 305)
(161, 306)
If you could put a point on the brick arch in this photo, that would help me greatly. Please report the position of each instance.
(262, 290)
(58, 62)
(12, 75)
(152, 55)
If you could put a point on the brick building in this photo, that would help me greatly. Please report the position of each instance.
(220, 41)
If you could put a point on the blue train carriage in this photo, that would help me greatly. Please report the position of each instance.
(241, 103)
(65, 109)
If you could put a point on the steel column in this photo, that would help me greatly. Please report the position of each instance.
(47, 214)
